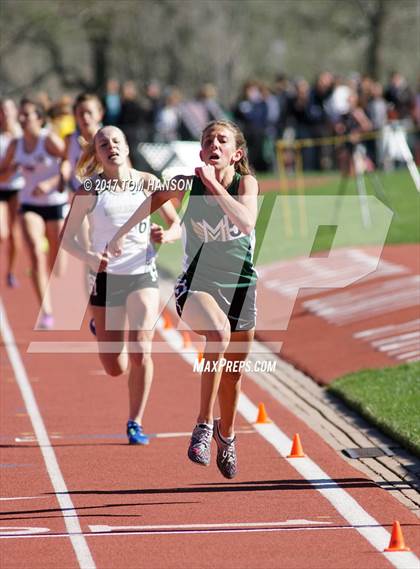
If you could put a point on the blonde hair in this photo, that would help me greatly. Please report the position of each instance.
(241, 166)
(88, 163)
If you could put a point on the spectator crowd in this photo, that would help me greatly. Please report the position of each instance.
(288, 109)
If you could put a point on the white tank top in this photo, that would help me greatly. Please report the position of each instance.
(16, 180)
(73, 155)
(37, 166)
(111, 211)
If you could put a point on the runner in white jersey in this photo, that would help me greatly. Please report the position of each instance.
(88, 113)
(37, 156)
(126, 287)
(9, 189)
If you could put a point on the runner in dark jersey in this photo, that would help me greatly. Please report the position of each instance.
(215, 294)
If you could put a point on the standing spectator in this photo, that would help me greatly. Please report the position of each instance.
(282, 91)
(301, 120)
(43, 98)
(61, 117)
(416, 120)
(251, 113)
(208, 95)
(338, 103)
(193, 119)
(112, 102)
(152, 106)
(273, 113)
(399, 96)
(400, 100)
(353, 123)
(168, 119)
(377, 113)
(198, 112)
(131, 118)
(365, 91)
(321, 126)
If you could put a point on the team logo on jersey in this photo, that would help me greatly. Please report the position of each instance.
(223, 231)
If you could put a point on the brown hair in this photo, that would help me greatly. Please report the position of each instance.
(242, 166)
(39, 109)
(86, 97)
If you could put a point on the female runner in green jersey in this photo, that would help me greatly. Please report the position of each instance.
(215, 294)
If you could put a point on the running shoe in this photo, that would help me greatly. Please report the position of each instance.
(11, 280)
(46, 322)
(92, 326)
(135, 434)
(199, 449)
(226, 453)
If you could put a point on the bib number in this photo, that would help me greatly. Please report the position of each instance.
(142, 226)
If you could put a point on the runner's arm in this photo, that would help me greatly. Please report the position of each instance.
(56, 147)
(65, 166)
(169, 214)
(241, 211)
(83, 202)
(8, 167)
(151, 204)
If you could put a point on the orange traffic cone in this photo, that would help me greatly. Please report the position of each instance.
(397, 539)
(167, 322)
(262, 415)
(297, 450)
(186, 338)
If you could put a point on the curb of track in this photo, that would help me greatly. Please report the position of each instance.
(342, 428)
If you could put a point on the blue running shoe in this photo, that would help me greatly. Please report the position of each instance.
(135, 434)
(12, 281)
(92, 326)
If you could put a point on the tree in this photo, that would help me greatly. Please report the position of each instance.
(60, 45)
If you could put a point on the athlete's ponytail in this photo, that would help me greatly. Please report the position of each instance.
(88, 164)
(241, 166)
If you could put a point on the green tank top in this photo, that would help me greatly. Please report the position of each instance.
(216, 252)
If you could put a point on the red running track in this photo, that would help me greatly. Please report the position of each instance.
(269, 517)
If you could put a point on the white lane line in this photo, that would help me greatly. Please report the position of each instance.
(21, 531)
(406, 355)
(71, 520)
(173, 532)
(373, 333)
(86, 347)
(229, 525)
(341, 501)
(23, 498)
(345, 505)
(400, 339)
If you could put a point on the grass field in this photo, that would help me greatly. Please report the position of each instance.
(389, 398)
(294, 225)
